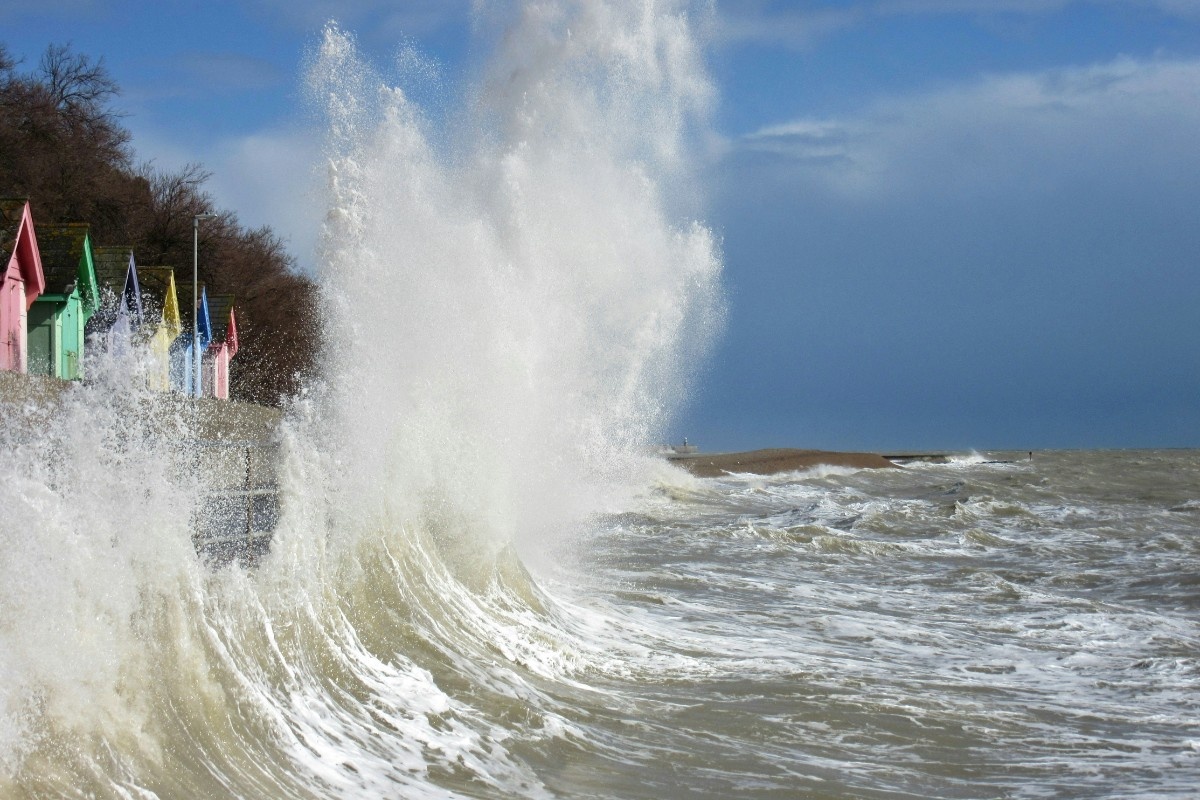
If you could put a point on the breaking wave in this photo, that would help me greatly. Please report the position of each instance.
(515, 298)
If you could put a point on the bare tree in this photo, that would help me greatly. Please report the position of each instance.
(7, 63)
(62, 145)
(76, 83)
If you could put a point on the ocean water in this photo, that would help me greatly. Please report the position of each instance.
(990, 627)
(970, 630)
(481, 585)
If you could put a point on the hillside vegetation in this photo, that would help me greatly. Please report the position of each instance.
(63, 146)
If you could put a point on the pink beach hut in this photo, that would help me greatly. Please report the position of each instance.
(21, 282)
(222, 348)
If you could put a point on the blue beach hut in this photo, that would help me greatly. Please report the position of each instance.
(184, 377)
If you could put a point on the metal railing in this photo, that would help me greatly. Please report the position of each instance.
(238, 504)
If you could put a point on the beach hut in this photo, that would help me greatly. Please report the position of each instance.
(58, 316)
(184, 377)
(20, 282)
(222, 348)
(162, 323)
(119, 313)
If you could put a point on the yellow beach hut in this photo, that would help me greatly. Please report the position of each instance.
(161, 321)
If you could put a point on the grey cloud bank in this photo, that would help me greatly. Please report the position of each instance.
(1007, 262)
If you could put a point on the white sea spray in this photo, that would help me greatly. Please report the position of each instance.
(514, 309)
(517, 297)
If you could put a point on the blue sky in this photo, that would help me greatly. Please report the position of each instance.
(946, 224)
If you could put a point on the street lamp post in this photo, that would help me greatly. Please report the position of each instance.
(197, 387)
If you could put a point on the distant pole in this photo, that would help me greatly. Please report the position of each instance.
(197, 386)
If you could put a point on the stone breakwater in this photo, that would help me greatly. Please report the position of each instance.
(774, 460)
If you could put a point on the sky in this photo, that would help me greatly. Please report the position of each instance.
(946, 224)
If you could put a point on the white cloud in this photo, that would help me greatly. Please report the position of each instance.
(762, 22)
(271, 178)
(66, 9)
(411, 18)
(229, 70)
(1025, 127)
(753, 23)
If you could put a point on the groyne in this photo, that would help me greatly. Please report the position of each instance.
(772, 461)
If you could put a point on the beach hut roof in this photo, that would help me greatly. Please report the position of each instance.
(159, 293)
(12, 213)
(16, 217)
(112, 266)
(62, 247)
(220, 310)
(224, 322)
(158, 284)
(183, 291)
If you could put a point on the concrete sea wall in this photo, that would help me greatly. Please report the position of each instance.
(231, 450)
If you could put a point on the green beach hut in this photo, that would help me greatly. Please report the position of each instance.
(58, 316)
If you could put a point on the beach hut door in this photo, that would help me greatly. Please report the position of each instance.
(12, 342)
